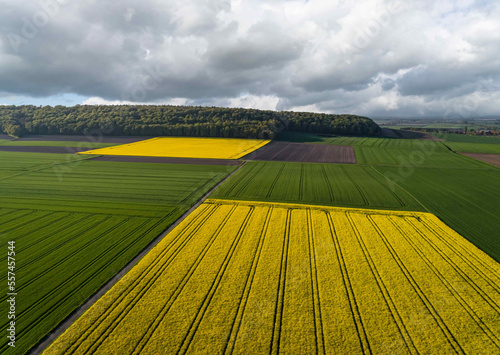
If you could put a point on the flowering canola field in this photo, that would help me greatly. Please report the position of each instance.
(267, 278)
(181, 147)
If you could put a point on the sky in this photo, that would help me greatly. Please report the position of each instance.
(376, 58)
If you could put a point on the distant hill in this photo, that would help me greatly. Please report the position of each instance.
(151, 120)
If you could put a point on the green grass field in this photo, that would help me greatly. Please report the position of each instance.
(463, 138)
(466, 197)
(466, 200)
(394, 143)
(56, 144)
(323, 184)
(77, 223)
(474, 147)
(419, 157)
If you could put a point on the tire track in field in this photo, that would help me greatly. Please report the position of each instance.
(38, 228)
(280, 294)
(275, 181)
(166, 307)
(461, 254)
(327, 183)
(386, 188)
(428, 305)
(58, 246)
(484, 327)
(46, 340)
(53, 267)
(301, 183)
(186, 342)
(144, 275)
(356, 185)
(82, 284)
(458, 270)
(255, 170)
(22, 222)
(318, 319)
(353, 304)
(238, 319)
(59, 230)
(396, 317)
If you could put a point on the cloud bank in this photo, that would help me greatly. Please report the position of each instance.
(376, 58)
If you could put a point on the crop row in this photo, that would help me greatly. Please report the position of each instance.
(340, 185)
(255, 277)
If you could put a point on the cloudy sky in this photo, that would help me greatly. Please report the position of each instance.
(369, 57)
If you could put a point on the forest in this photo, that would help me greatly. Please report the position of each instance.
(162, 120)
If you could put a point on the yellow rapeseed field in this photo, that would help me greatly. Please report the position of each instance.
(259, 278)
(181, 147)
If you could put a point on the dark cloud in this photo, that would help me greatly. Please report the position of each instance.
(368, 57)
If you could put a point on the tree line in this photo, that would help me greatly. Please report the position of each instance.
(161, 120)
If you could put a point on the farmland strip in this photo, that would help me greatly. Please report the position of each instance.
(280, 294)
(235, 327)
(155, 271)
(208, 298)
(384, 290)
(318, 320)
(149, 333)
(358, 321)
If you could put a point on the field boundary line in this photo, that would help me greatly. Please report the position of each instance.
(65, 324)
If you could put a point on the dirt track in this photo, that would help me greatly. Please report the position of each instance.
(303, 152)
(135, 159)
(493, 159)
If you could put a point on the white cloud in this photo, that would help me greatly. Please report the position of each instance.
(371, 57)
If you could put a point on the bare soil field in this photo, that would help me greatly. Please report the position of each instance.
(43, 149)
(303, 152)
(137, 159)
(493, 159)
(91, 138)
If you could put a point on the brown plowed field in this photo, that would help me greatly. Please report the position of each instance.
(302, 152)
(493, 159)
(42, 149)
(137, 159)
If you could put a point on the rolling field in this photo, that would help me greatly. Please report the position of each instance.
(327, 184)
(300, 152)
(463, 138)
(182, 147)
(261, 278)
(466, 200)
(424, 156)
(394, 143)
(474, 147)
(77, 223)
